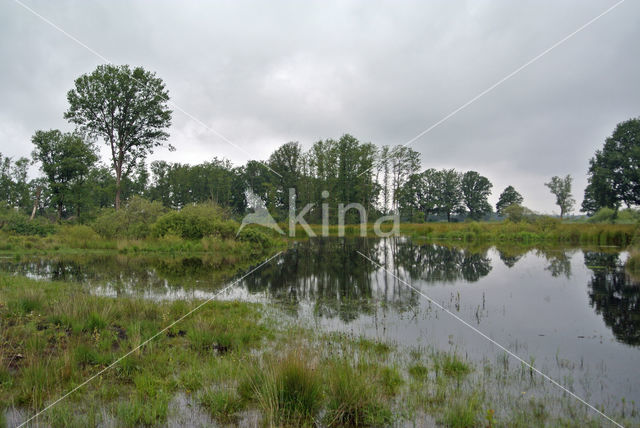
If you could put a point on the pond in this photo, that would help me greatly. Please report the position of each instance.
(574, 313)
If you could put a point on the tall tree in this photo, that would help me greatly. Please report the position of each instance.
(561, 188)
(449, 192)
(419, 194)
(65, 160)
(14, 185)
(509, 196)
(475, 192)
(614, 176)
(127, 108)
(286, 160)
(404, 162)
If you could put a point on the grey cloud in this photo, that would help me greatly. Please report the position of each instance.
(263, 73)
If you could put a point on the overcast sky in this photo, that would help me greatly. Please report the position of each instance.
(264, 73)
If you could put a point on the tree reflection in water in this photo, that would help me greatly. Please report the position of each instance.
(614, 295)
(332, 275)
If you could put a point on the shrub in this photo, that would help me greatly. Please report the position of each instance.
(255, 236)
(547, 223)
(628, 216)
(19, 224)
(134, 220)
(603, 215)
(196, 222)
(517, 213)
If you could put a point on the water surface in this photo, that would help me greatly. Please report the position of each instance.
(574, 313)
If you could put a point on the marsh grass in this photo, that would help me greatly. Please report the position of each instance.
(288, 391)
(353, 397)
(541, 231)
(232, 357)
(222, 403)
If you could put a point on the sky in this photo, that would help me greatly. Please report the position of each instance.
(261, 74)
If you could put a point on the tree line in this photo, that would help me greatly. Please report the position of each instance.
(128, 110)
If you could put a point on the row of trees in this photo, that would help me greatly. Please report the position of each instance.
(128, 110)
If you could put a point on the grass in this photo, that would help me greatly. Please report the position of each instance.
(232, 357)
(541, 231)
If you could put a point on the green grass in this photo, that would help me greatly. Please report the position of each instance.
(222, 404)
(539, 231)
(231, 357)
(354, 399)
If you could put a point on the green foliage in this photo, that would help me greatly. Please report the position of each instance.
(561, 188)
(509, 196)
(177, 185)
(196, 222)
(255, 236)
(475, 192)
(517, 213)
(614, 178)
(134, 220)
(134, 115)
(603, 215)
(449, 192)
(14, 186)
(628, 216)
(19, 224)
(65, 159)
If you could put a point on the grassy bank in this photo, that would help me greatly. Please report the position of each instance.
(233, 360)
(546, 230)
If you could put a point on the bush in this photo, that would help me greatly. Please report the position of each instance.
(134, 220)
(196, 222)
(79, 236)
(517, 213)
(546, 223)
(603, 215)
(255, 236)
(628, 216)
(20, 224)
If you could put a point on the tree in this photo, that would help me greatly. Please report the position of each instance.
(127, 108)
(509, 196)
(286, 161)
(449, 192)
(561, 188)
(65, 160)
(419, 194)
(14, 186)
(404, 162)
(475, 192)
(614, 176)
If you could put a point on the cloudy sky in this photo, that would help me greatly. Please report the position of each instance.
(264, 73)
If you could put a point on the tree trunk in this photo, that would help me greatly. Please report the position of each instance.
(118, 195)
(448, 217)
(36, 203)
(118, 185)
(59, 211)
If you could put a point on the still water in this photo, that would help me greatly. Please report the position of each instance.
(573, 313)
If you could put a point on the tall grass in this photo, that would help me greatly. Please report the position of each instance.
(288, 391)
(541, 230)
